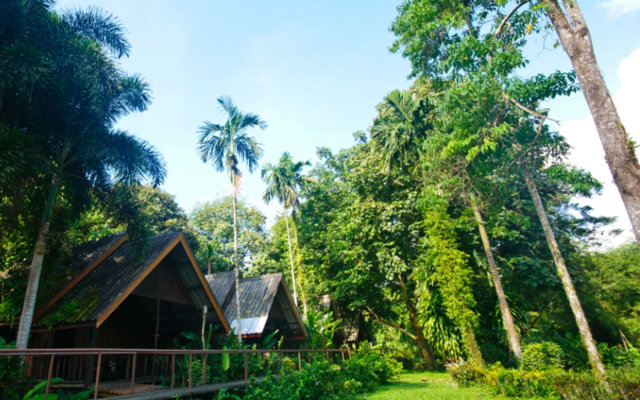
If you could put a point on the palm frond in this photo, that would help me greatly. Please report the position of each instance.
(223, 144)
(101, 27)
(249, 150)
(132, 160)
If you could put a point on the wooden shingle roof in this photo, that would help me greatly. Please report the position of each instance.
(262, 298)
(101, 288)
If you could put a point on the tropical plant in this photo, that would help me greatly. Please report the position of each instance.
(212, 223)
(221, 145)
(76, 93)
(284, 181)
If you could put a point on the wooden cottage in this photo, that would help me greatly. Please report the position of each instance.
(265, 305)
(119, 299)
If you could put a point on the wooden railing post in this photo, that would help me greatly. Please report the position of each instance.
(95, 391)
(204, 369)
(190, 359)
(46, 391)
(246, 367)
(173, 369)
(299, 361)
(133, 372)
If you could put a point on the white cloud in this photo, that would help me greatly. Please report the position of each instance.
(617, 8)
(587, 150)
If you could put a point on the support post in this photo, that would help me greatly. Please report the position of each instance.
(95, 391)
(190, 365)
(133, 371)
(246, 367)
(46, 391)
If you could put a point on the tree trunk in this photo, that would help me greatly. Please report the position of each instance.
(507, 318)
(303, 293)
(26, 317)
(425, 348)
(619, 153)
(236, 263)
(293, 273)
(567, 284)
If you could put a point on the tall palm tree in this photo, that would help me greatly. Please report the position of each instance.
(221, 145)
(284, 181)
(70, 110)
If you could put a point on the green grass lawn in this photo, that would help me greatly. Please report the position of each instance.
(428, 385)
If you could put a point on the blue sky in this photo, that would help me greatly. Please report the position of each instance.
(314, 71)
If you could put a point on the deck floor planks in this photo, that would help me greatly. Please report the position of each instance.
(159, 394)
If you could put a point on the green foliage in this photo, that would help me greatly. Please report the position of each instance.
(213, 225)
(370, 368)
(37, 392)
(321, 380)
(447, 268)
(538, 356)
(616, 274)
(518, 383)
(12, 381)
(550, 383)
(321, 328)
(465, 373)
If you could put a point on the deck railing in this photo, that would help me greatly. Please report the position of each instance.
(90, 365)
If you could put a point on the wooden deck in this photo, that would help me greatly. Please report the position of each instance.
(147, 392)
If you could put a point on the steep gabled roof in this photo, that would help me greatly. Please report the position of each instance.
(221, 284)
(262, 298)
(84, 259)
(101, 288)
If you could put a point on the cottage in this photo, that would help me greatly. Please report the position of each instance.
(265, 305)
(119, 299)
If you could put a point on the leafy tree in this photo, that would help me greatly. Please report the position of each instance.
(67, 92)
(403, 123)
(213, 225)
(284, 181)
(155, 210)
(616, 275)
(367, 240)
(483, 63)
(441, 38)
(222, 144)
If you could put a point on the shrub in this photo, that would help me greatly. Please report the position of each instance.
(624, 384)
(371, 368)
(321, 380)
(12, 383)
(617, 356)
(318, 380)
(554, 383)
(519, 383)
(542, 355)
(466, 373)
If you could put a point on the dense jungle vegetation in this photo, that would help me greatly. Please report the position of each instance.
(448, 231)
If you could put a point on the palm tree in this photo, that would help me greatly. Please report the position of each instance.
(284, 180)
(71, 110)
(221, 145)
(395, 129)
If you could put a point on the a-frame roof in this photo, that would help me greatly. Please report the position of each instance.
(103, 285)
(259, 296)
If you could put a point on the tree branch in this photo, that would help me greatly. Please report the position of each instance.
(529, 111)
(505, 19)
(391, 324)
